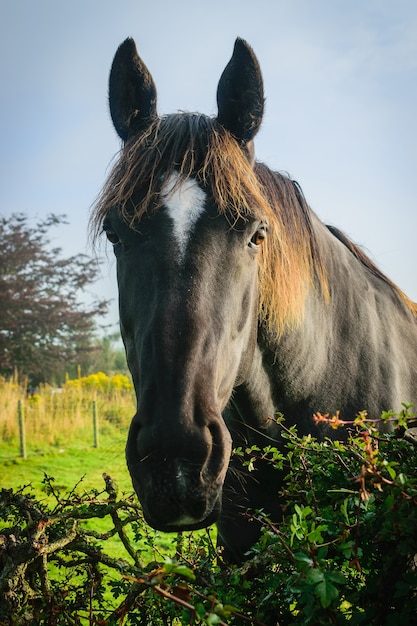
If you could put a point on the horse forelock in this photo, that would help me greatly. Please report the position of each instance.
(183, 146)
(186, 145)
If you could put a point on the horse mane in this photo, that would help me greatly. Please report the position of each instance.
(305, 264)
(359, 254)
(196, 145)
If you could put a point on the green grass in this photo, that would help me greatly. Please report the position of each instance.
(67, 464)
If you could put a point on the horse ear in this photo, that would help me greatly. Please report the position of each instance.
(132, 92)
(240, 94)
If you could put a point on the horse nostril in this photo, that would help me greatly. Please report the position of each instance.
(219, 434)
(221, 449)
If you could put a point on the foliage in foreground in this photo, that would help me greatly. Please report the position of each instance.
(344, 553)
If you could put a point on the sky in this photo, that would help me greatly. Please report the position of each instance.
(340, 79)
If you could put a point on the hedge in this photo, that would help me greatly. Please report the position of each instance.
(344, 553)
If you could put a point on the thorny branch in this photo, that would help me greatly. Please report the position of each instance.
(27, 550)
(36, 536)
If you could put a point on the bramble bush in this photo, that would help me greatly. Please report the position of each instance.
(344, 552)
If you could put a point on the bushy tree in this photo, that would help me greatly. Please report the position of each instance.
(43, 325)
(109, 356)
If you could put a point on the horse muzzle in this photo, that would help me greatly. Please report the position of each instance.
(179, 480)
(170, 506)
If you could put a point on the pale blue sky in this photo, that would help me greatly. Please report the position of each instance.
(340, 81)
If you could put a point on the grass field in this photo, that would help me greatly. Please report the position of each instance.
(59, 431)
(67, 465)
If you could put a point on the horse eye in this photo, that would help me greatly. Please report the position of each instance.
(259, 236)
(112, 237)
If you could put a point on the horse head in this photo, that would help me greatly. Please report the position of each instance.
(184, 217)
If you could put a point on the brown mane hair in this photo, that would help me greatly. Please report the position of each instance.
(196, 145)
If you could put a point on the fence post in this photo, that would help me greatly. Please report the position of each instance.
(22, 434)
(95, 424)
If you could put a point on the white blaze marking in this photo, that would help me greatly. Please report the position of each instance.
(184, 204)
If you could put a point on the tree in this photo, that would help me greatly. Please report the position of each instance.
(43, 326)
(109, 355)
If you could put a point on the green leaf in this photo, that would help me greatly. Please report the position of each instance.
(298, 510)
(402, 479)
(326, 592)
(301, 556)
(337, 577)
(347, 548)
(315, 576)
(184, 571)
(224, 610)
(315, 536)
(303, 512)
(200, 609)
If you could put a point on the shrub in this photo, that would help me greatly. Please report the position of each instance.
(100, 382)
(343, 554)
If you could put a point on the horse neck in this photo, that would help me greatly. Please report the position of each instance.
(284, 369)
(349, 352)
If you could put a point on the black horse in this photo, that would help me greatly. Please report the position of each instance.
(235, 302)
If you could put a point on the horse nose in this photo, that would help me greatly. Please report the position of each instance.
(178, 499)
(187, 443)
(178, 474)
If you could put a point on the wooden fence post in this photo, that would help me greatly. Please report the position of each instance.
(22, 434)
(95, 424)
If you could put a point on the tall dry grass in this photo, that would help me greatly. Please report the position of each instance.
(57, 416)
